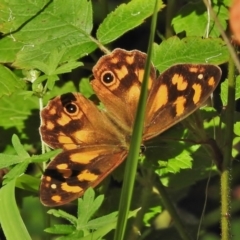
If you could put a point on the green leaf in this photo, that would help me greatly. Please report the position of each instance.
(189, 50)
(45, 156)
(10, 219)
(19, 147)
(63, 214)
(87, 206)
(224, 90)
(41, 24)
(16, 171)
(28, 182)
(193, 19)
(60, 229)
(101, 232)
(100, 222)
(152, 212)
(125, 18)
(15, 110)
(52, 63)
(7, 160)
(9, 82)
(86, 88)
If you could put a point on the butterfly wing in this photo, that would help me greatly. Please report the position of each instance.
(117, 83)
(71, 120)
(72, 172)
(176, 93)
(92, 147)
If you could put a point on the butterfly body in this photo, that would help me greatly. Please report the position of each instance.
(94, 141)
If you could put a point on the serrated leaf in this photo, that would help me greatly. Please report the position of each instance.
(181, 161)
(69, 22)
(60, 229)
(63, 214)
(107, 228)
(19, 147)
(200, 167)
(76, 235)
(193, 19)
(9, 82)
(68, 67)
(87, 206)
(102, 221)
(16, 171)
(45, 156)
(148, 216)
(8, 160)
(224, 90)
(125, 18)
(189, 50)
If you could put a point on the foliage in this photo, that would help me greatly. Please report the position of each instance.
(48, 48)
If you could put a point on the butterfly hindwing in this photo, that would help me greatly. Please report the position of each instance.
(73, 171)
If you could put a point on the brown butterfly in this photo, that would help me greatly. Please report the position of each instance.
(95, 141)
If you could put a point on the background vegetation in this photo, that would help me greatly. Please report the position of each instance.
(48, 48)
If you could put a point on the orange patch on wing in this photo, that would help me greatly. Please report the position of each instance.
(83, 136)
(114, 60)
(68, 188)
(140, 73)
(211, 81)
(65, 139)
(52, 111)
(180, 102)
(56, 198)
(130, 59)
(64, 119)
(83, 157)
(87, 176)
(198, 92)
(62, 166)
(193, 69)
(161, 98)
(49, 125)
(180, 82)
(48, 179)
(121, 73)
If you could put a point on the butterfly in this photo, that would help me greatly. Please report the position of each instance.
(96, 141)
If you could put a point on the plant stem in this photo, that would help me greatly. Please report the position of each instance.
(227, 155)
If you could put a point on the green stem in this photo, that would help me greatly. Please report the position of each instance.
(227, 155)
(132, 159)
(146, 193)
(170, 11)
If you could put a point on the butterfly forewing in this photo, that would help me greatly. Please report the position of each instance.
(117, 83)
(176, 93)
